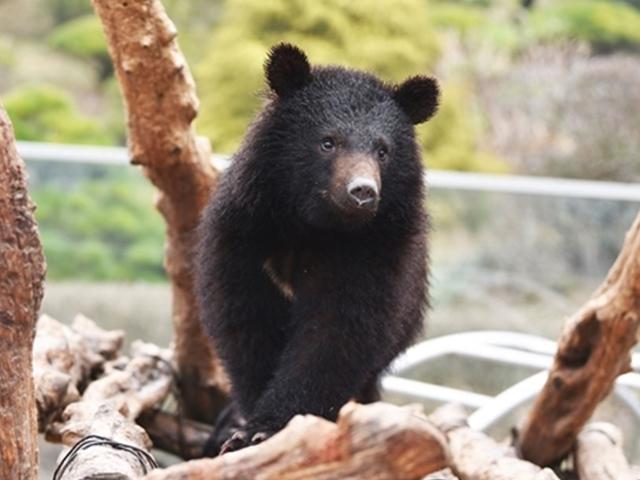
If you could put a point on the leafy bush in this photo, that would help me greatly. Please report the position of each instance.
(103, 229)
(46, 113)
(83, 37)
(391, 42)
(604, 25)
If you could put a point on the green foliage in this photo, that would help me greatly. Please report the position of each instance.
(45, 113)
(458, 16)
(392, 42)
(604, 25)
(103, 229)
(84, 38)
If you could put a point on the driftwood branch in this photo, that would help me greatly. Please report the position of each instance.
(376, 442)
(108, 408)
(475, 456)
(64, 358)
(599, 456)
(22, 270)
(161, 102)
(593, 350)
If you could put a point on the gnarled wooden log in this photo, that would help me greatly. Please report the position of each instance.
(475, 456)
(161, 102)
(64, 358)
(22, 270)
(598, 454)
(109, 407)
(376, 442)
(593, 350)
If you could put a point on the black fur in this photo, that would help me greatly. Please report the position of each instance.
(359, 288)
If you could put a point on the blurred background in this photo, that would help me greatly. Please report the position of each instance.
(540, 88)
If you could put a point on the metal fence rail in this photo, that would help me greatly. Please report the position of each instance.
(437, 179)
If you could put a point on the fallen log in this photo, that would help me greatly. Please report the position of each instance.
(376, 442)
(22, 269)
(598, 454)
(475, 456)
(64, 358)
(593, 350)
(161, 102)
(108, 409)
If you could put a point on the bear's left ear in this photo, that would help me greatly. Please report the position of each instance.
(418, 97)
(287, 69)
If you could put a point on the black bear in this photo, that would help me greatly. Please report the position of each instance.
(312, 267)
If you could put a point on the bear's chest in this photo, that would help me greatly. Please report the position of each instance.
(288, 268)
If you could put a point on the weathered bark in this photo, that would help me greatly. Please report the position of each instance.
(593, 350)
(376, 442)
(109, 407)
(171, 433)
(22, 270)
(475, 456)
(159, 93)
(64, 358)
(599, 455)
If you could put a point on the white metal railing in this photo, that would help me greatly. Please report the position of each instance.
(437, 179)
(504, 348)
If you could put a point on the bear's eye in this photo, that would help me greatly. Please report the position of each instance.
(383, 153)
(328, 145)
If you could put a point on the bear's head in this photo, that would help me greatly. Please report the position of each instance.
(343, 139)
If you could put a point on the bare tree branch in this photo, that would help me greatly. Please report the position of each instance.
(22, 269)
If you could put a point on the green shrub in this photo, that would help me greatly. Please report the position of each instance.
(104, 229)
(604, 25)
(393, 43)
(46, 113)
(83, 37)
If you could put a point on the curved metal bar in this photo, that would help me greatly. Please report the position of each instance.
(507, 401)
(469, 342)
(437, 393)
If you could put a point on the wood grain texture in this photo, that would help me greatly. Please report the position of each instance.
(593, 350)
(64, 358)
(475, 456)
(109, 406)
(376, 442)
(22, 270)
(161, 104)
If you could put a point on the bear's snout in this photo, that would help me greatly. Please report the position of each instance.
(363, 192)
(355, 186)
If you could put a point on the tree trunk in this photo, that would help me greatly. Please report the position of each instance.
(22, 270)
(593, 350)
(159, 94)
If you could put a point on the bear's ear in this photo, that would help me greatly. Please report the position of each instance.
(418, 97)
(287, 69)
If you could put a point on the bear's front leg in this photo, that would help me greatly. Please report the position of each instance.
(338, 345)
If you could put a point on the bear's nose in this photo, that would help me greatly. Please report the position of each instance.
(364, 192)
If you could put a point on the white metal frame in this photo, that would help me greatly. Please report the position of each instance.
(556, 187)
(505, 348)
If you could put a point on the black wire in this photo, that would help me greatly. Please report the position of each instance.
(147, 462)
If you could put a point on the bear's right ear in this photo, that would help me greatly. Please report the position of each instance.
(287, 69)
